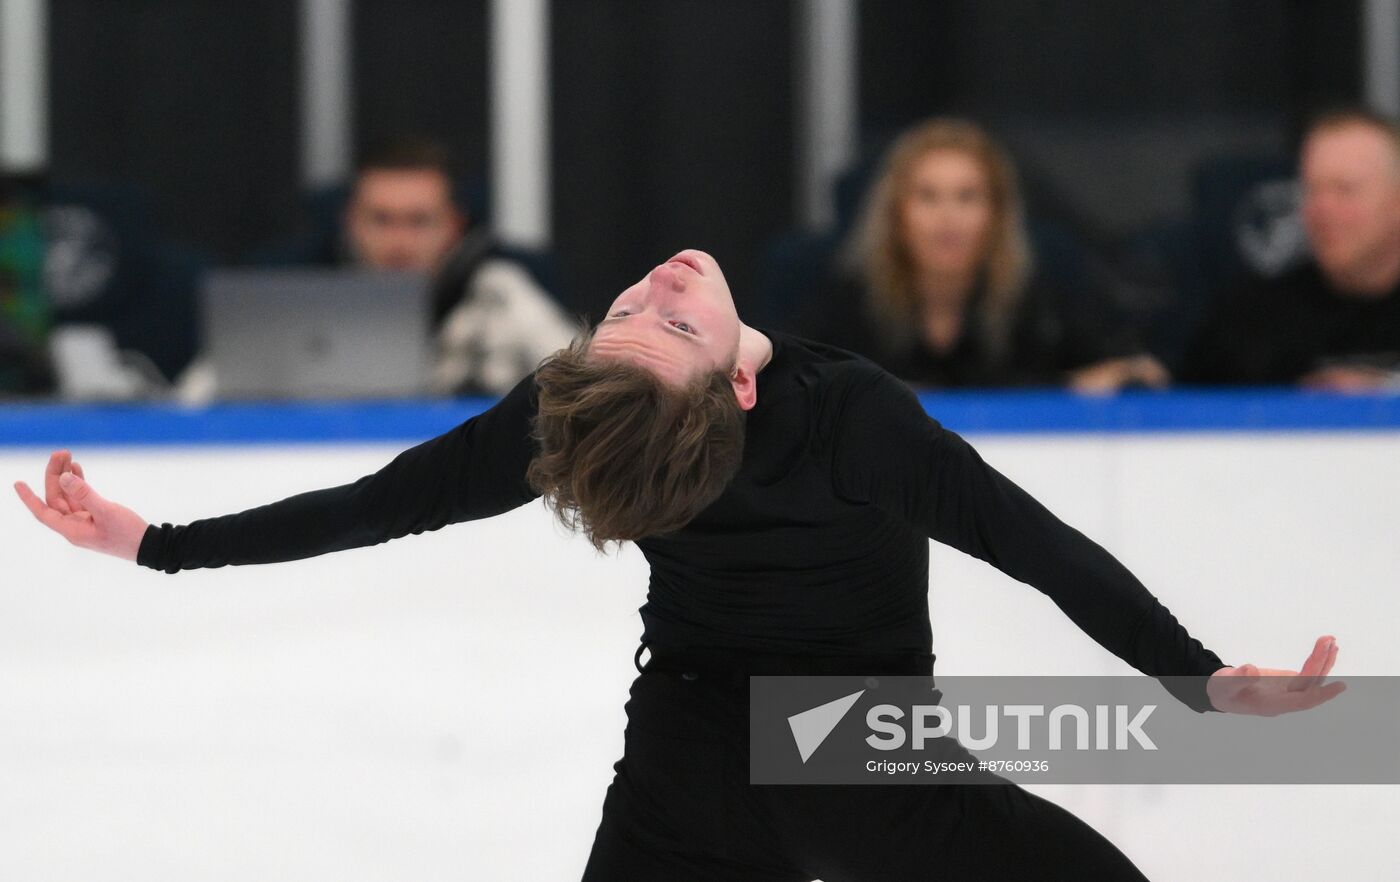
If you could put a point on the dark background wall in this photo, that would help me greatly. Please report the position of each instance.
(192, 101)
(673, 128)
(421, 66)
(673, 122)
(1102, 56)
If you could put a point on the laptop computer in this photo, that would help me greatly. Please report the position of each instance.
(317, 333)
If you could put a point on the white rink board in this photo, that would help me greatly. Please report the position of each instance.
(449, 706)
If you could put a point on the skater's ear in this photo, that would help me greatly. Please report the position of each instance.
(745, 385)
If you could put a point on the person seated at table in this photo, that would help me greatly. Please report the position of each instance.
(492, 322)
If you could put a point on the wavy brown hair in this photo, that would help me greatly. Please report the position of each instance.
(876, 251)
(623, 455)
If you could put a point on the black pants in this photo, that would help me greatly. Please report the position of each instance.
(680, 809)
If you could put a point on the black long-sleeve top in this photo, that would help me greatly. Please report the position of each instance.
(818, 545)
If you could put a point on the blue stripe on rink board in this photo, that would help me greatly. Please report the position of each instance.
(983, 412)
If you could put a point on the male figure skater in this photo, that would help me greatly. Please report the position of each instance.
(783, 492)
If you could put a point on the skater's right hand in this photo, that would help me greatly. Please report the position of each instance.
(75, 511)
(1268, 692)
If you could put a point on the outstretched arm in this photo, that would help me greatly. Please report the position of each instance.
(890, 453)
(475, 470)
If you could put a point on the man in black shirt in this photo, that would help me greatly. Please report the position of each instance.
(812, 558)
(1333, 323)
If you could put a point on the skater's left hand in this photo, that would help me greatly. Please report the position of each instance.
(1268, 692)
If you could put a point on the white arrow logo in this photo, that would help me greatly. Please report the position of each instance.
(810, 728)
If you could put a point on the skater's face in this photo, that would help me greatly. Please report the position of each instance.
(1351, 198)
(946, 213)
(403, 219)
(677, 322)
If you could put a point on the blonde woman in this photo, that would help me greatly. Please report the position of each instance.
(937, 280)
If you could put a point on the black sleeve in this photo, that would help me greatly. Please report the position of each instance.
(887, 451)
(475, 470)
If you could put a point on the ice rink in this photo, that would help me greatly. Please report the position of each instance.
(448, 706)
